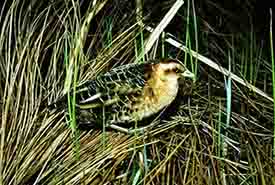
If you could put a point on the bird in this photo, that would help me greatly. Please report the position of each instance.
(129, 93)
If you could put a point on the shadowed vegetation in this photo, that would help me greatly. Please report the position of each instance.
(218, 130)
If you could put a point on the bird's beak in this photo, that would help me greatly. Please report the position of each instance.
(188, 74)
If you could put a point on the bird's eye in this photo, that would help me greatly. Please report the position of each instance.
(167, 71)
(173, 70)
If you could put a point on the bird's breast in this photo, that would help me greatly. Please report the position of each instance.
(157, 98)
(167, 92)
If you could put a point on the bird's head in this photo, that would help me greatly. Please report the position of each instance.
(170, 69)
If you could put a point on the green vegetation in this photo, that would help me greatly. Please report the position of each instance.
(220, 129)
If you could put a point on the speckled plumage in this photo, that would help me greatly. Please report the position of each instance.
(129, 93)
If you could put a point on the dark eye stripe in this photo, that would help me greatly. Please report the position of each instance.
(173, 70)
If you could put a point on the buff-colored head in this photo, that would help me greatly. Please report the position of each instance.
(163, 84)
(170, 69)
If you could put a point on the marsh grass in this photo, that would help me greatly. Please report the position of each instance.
(218, 131)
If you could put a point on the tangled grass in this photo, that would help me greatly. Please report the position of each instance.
(217, 132)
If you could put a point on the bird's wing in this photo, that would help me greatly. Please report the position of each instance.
(114, 85)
